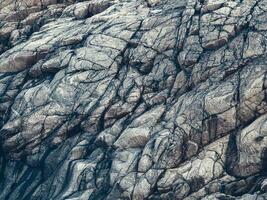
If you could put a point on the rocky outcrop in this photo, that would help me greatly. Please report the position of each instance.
(114, 99)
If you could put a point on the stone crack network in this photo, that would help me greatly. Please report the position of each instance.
(133, 99)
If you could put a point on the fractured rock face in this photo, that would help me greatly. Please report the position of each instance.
(115, 99)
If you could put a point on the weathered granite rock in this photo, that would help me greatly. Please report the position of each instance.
(136, 99)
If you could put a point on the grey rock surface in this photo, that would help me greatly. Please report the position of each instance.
(133, 99)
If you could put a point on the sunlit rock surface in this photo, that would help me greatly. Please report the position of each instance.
(133, 99)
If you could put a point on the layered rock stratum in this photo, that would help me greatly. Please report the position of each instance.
(133, 99)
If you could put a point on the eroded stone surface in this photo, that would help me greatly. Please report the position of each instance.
(140, 99)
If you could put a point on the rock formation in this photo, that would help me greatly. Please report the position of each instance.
(133, 99)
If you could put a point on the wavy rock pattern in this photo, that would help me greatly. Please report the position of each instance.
(116, 99)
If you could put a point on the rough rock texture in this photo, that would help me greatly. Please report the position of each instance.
(133, 99)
